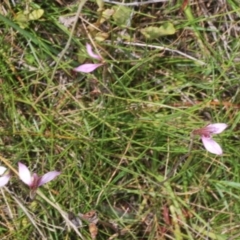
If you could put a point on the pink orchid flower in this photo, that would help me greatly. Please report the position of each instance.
(206, 136)
(34, 181)
(4, 177)
(89, 67)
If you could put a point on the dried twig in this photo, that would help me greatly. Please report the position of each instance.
(134, 3)
(166, 49)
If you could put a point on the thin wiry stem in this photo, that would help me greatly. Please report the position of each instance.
(181, 159)
(25, 210)
(63, 214)
(81, 4)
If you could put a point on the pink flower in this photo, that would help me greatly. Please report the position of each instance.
(34, 181)
(4, 177)
(206, 136)
(89, 67)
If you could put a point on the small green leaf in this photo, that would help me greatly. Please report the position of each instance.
(21, 19)
(156, 32)
(101, 36)
(122, 15)
(36, 14)
(106, 14)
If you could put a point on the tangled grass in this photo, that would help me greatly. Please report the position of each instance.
(120, 135)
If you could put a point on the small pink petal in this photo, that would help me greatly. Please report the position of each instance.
(211, 146)
(87, 67)
(48, 177)
(91, 53)
(24, 174)
(216, 128)
(2, 170)
(4, 180)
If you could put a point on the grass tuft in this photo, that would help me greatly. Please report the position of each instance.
(121, 135)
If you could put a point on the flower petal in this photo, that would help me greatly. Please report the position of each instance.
(211, 145)
(91, 53)
(35, 181)
(87, 67)
(24, 174)
(2, 170)
(48, 177)
(4, 180)
(216, 128)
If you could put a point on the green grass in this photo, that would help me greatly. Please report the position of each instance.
(116, 134)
